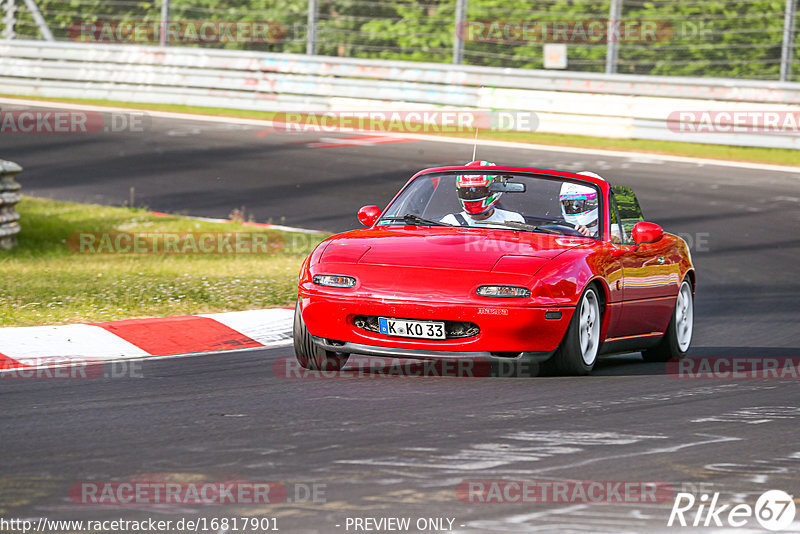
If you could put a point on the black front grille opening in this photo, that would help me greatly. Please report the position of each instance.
(452, 329)
(506, 354)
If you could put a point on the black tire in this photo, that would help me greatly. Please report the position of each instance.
(308, 354)
(669, 347)
(570, 359)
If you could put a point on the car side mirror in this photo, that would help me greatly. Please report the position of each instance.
(646, 232)
(368, 215)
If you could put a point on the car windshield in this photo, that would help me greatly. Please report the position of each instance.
(504, 200)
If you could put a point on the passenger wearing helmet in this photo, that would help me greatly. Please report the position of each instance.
(478, 203)
(579, 207)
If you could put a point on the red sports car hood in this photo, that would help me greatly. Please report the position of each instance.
(445, 248)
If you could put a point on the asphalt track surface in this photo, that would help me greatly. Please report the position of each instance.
(399, 447)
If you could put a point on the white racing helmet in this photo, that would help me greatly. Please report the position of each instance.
(579, 202)
(592, 174)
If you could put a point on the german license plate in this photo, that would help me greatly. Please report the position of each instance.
(404, 328)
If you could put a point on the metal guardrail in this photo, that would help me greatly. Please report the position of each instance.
(9, 197)
(407, 71)
(566, 102)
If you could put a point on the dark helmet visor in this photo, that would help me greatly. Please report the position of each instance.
(473, 193)
(578, 205)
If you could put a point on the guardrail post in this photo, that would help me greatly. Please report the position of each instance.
(9, 19)
(9, 197)
(612, 42)
(460, 28)
(788, 41)
(163, 38)
(39, 20)
(311, 31)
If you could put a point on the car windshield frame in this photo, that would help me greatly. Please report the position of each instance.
(390, 218)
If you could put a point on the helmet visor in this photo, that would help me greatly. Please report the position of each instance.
(579, 204)
(473, 193)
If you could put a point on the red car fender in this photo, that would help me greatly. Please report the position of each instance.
(564, 279)
(565, 276)
(312, 259)
(681, 250)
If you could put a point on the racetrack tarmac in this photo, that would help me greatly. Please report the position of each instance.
(399, 447)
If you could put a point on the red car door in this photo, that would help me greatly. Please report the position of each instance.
(649, 273)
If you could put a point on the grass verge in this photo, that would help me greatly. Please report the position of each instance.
(45, 281)
(775, 156)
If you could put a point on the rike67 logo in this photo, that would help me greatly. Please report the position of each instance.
(774, 510)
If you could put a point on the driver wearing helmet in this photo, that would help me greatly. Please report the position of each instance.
(579, 207)
(477, 201)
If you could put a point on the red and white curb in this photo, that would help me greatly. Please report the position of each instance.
(267, 226)
(36, 346)
(362, 140)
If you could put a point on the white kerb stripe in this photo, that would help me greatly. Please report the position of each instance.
(269, 327)
(67, 341)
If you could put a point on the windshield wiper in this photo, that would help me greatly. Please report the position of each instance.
(410, 218)
(522, 226)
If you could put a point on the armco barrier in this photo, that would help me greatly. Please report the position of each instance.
(9, 197)
(620, 106)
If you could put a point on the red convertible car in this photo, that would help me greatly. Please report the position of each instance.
(501, 263)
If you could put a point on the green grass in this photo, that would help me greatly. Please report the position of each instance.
(776, 156)
(45, 282)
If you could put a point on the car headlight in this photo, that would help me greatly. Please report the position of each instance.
(334, 280)
(503, 291)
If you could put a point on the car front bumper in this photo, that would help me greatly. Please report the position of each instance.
(504, 328)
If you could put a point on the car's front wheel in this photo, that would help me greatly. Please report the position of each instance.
(578, 352)
(678, 337)
(308, 354)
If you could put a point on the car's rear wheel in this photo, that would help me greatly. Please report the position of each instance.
(308, 354)
(678, 337)
(578, 351)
